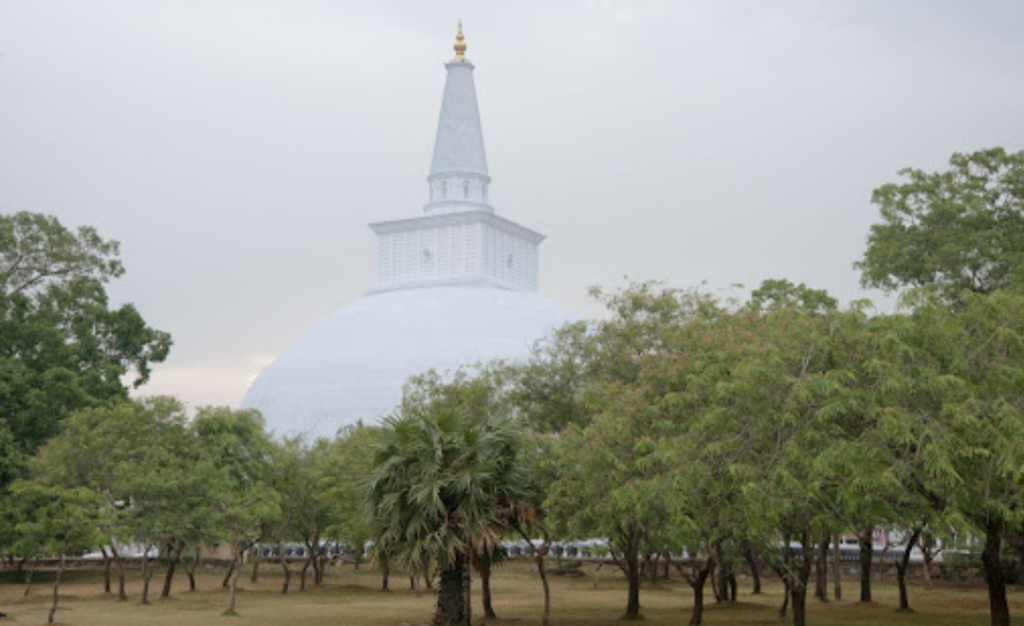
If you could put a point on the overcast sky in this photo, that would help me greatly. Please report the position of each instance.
(238, 149)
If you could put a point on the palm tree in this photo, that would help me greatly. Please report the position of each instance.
(443, 470)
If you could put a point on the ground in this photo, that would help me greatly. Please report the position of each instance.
(353, 598)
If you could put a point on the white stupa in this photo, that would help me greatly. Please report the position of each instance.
(455, 287)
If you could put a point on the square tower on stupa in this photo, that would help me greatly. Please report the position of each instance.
(459, 239)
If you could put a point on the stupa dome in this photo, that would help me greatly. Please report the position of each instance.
(455, 287)
(353, 364)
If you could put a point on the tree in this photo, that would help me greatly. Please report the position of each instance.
(961, 229)
(952, 234)
(170, 490)
(136, 457)
(708, 479)
(318, 509)
(547, 391)
(347, 469)
(777, 412)
(443, 471)
(615, 482)
(956, 402)
(237, 449)
(775, 293)
(527, 516)
(61, 345)
(58, 520)
(286, 478)
(321, 498)
(780, 399)
(614, 474)
(10, 465)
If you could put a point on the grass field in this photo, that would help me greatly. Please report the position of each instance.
(353, 598)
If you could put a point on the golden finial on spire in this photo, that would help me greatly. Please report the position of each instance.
(460, 45)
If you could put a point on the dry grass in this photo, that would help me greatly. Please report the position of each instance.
(353, 598)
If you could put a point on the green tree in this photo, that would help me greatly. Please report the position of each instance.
(348, 468)
(961, 229)
(777, 401)
(10, 465)
(238, 450)
(560, 383)
(58, 521)
(956, 404)
(708, 479)
(137, 457)
(288, 479)
(443, 471)
(771, 414)
(614, 481)
(527, 516)
(548, 389)
(62, 347)
(775, 293)
(318, 509)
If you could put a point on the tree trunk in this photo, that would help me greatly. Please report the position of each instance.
(313, 547)
(901, 570)
(799, 596)
(122, 594)
(174, 548)
(257, 553)
(56, 589)
(724, 571)
(322, 561)
(538, 556)
(287, 575)
(190, 569)
(305, 570)
(147, 574)
(927, 543)
(821, 571)
(837, 570)
(799, 584)
(233, 583)
(28, 577)
(785, 572)
(451, 598)
(999, 610)
(697, 617)
(1015, 540)
(632, 559)
(629, 544)
(228, 575)
(467, 585)
(542, 570)
(385, 574)
(106, 569)
(755, 568)
(428, 580)
(866, 556)
(485, 587)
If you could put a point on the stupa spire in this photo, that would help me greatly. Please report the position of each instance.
(458, 172)
(460, 45)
